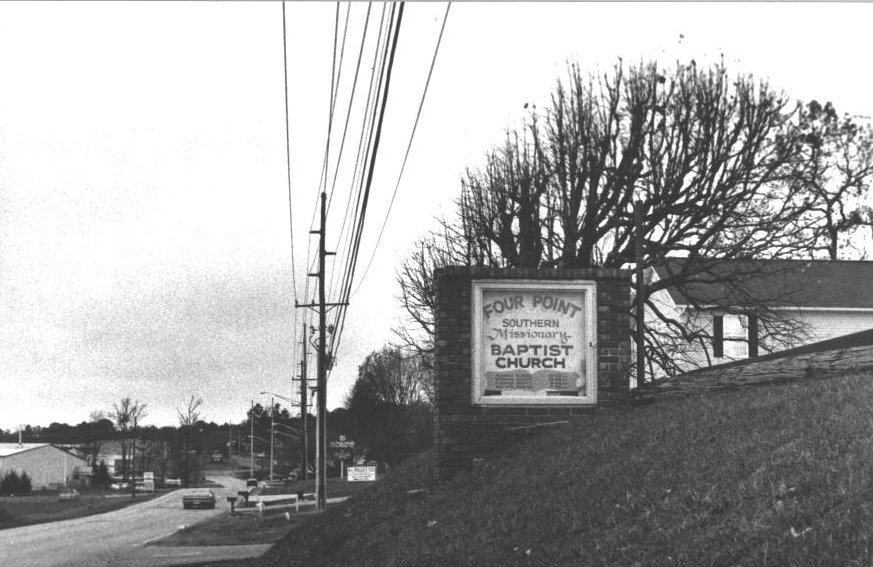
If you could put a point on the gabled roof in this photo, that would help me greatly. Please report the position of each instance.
(7, 449)
(828, 284)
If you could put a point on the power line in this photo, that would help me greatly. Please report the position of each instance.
(408, 148)
(346, 127)
(288, 170)
(369, 117)
(323, 181)
(334, 89)
(353, 262)
(288, 151)
(363, 153)
(354, 86)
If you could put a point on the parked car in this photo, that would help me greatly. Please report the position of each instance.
(198, 498)
(252, 482)
(68, 494)
(120, 486)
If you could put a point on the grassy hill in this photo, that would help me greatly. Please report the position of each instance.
(769, 475)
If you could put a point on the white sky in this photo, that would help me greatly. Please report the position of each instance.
(144, 239)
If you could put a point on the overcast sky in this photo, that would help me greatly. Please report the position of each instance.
(145, 248)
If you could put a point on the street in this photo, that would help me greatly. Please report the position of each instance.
(120, 537)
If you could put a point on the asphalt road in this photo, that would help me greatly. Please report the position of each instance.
(119, 538)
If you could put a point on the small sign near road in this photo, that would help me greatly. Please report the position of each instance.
(343, 443)
(361, 474)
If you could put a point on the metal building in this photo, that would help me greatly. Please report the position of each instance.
(46, 465)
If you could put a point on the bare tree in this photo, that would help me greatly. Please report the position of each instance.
(834, 169)
(391, 376)
(390, 404)
(127, 415)
(188, 418)
(715, 161)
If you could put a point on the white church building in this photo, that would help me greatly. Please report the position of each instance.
(821, 299)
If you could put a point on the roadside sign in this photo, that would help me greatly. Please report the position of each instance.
(342, 443)
(361, 474)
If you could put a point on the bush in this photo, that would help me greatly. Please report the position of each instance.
(24, 484)
(101, 475)
(12, 483)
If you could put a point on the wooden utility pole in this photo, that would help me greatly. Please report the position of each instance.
(322, 367)
(322, 361)
(640, 292)
(321, 378)
(272, 434)
(304, 461)
(252, 441)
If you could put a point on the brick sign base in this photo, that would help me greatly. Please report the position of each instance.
(465, 431)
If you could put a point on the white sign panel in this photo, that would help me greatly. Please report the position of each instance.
(361, 474)
(534, 342)
(343, 443)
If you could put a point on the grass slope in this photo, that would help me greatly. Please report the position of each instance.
(771, 475)
(239, 529)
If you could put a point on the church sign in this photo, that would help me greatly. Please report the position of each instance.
(534, 342)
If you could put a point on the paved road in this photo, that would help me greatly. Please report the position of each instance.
(118, 538)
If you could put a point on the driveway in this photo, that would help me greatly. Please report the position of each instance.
(120, 537)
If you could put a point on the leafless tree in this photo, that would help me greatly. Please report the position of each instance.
(391, 376)
(188, 418)
(127, 415)
(716, 162)
(834, 169)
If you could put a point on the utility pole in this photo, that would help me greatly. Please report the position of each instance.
(272, 427)
(322, 362)
(304, 461)
(252, 441)
(640, 292)
(321, 473)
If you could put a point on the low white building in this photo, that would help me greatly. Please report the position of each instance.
(46, 465)
(821, 299)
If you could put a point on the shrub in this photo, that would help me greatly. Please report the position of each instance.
(101, 474)
(12, 483)
(24, 484)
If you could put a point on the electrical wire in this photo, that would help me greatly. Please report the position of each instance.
(367, 131)
(363, 149)
(288, 151)
(322, 182)
(345, 133)
(408, 148)
(335, 338)
(288, 171)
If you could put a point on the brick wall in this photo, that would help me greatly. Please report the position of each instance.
(464, 431)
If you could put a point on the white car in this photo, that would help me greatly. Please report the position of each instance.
(68, 494)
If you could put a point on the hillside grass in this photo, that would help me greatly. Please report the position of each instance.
(768, 475)
(224, 529)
